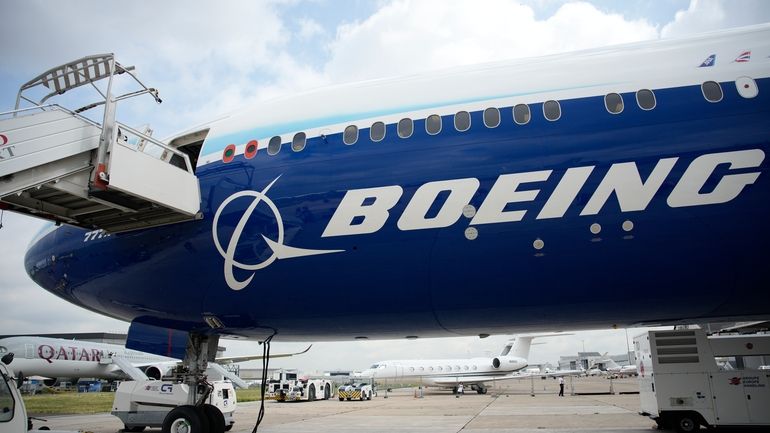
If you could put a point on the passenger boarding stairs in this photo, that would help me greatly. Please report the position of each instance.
(57, 164)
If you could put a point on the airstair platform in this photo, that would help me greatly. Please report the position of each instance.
(57, 164)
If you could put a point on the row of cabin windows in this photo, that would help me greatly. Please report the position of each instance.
(441, 368)
(613, 102)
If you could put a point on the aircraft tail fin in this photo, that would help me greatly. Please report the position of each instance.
(519, 347)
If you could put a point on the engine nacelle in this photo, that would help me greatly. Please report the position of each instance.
(157, 372)
(507, 362)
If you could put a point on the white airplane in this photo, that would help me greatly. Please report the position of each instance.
(55, 358)
(612, 367)
(473, 372)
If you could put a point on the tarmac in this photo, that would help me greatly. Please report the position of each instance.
(508, 407)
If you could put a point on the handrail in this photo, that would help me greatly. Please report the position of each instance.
(158, 143)
(55, 106)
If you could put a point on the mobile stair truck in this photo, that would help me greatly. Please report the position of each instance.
(682, 386)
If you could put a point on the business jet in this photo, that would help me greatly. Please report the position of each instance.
(475, 373)
(613, 368)
(430, 205)
(55, 358)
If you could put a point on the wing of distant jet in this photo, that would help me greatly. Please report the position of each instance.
(231, 359)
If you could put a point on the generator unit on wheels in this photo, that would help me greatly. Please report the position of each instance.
(156, 403)
(682, 386)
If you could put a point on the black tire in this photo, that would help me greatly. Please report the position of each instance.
(229, 427)
(215, 417)
(136, 428)
(184, 416)
(686, 423)
(362, 396)
(327, 392)
(342, 399)
(369, 397)
(311, 393)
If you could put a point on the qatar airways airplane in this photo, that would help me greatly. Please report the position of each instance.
(474, 373)
(478, 200)
(56, 358)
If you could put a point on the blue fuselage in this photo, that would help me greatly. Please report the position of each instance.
(670, 264)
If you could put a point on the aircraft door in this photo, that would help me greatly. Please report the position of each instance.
(29, 351)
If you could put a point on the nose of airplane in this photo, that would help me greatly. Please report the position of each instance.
(40, 259)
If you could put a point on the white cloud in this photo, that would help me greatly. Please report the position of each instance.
(309, 28)
(415, 36)
(709, 15)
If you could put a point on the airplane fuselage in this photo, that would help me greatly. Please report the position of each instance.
(506, 182)
(55, 358)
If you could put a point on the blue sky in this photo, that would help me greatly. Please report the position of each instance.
(208, 58)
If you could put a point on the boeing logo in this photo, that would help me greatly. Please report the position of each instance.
(366, 211)
(280, 251)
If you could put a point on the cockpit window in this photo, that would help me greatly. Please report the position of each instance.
(375, 366)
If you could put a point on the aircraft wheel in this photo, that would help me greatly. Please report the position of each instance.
(184, 419)
(686, 424)
(215, 418)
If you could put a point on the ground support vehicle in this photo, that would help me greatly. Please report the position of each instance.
(287, 386)
(355, 391)
(156, 403)
(682, 386)
(13, 413)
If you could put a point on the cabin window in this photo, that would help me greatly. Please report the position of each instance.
(491, 117)
(440, 368)
(465, 367)
(614, 103)
(462, 121)
(405, 128)
(712, 91)
(350, 136)
(457, 368)
(551, 110)
(411, 368)
(645, 99)
(298, 142)
(274, 146)
(474, 368)
(521, 114)
(433, 124)
(377, 131)
(422, 368)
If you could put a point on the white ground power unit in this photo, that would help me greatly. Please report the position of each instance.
(683, 387)
(164, 404)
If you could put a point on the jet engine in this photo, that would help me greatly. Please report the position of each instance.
(502, 361)
(157, 372)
